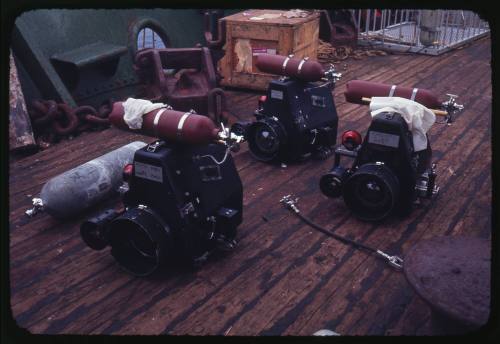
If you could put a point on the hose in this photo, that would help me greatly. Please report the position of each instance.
(290, 203)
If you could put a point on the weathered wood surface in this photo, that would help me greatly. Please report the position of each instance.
(298, 36)
(20, 130)
(284, 278)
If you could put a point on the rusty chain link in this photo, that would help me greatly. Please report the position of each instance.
(52, 120)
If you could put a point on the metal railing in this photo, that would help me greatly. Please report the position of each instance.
(420, 31)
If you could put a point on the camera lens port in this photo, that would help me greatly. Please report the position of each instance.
(140, 241)
(265, 139)
(371, 192)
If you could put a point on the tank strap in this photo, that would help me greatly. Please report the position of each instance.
(285, 63)
(414, 93)
(391, 92)
(157, 120)
(299, 68)
(181, 123)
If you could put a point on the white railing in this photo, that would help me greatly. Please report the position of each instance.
(421, 31)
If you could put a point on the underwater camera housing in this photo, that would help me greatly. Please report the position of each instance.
(181, 202)
(297, 118)
(387, 175)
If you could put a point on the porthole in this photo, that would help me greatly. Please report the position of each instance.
(149, 38)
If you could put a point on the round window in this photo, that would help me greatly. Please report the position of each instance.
(148, 38)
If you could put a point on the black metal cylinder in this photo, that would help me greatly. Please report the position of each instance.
(331, 183)
(266, 139)
(240, 127)
(371, 192)
(95, 231)
(140, 241)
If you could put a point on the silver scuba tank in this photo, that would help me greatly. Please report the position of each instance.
(73, 191)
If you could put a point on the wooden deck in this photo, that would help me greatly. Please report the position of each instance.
(284, 278)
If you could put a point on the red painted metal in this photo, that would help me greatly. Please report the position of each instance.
(128, 171)
(171, 125)
(357, 89)
(191, 87)
(53, 121)
(309, 70)
(351, 139)
(338, 27)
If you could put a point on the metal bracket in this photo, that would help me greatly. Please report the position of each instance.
(332, 75)
(229, 138)
(152, 147)
(210, 173)
(187, 209)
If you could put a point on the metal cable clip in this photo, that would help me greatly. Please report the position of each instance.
(152, 147)
(394, 261)
(290, 203)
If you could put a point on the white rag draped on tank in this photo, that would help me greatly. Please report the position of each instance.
(134, 109)
(418, 117)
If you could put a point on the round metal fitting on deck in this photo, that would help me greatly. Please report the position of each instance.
(452, 274)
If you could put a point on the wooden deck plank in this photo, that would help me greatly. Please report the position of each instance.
(285, 278)
(437, 216)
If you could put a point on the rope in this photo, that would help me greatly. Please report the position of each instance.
(328, 54)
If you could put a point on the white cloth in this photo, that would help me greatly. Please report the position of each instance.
(134, 109)
(417, 116)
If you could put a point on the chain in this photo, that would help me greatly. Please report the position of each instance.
(53, 120)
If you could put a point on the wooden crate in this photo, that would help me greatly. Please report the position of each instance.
(247, 37)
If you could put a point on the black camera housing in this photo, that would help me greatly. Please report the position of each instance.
(297, 119)
(387, 175)
(183, 202)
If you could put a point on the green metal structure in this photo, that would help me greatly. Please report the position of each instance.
(84, 56)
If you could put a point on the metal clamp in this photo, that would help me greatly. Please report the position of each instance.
(156, 120)
(152, 147)
(299, 68)
(181, 122)
(391, 92)
(187, 209)
(394, 261)
(414, 93)
(286, 62)
(290, 203)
